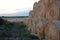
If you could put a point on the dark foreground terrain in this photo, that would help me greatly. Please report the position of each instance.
(15, 31)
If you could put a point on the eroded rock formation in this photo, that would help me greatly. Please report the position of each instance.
(42, 19)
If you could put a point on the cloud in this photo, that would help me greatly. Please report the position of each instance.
(6, 11)
(10, 11)
(22, 13)
(13, 6)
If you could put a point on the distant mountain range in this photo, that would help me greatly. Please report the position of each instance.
(23, 13)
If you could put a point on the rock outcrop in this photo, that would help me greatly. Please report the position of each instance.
(41, 19)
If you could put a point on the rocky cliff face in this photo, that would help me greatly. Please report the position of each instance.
(41, 19)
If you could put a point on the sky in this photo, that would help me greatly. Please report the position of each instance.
(15, 6)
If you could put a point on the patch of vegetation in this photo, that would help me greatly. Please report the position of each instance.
(14, 16)
(15, 29)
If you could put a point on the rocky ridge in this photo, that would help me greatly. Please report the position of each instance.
(44, 20)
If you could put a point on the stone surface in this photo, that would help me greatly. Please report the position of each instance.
(51, 32)
(42, 19)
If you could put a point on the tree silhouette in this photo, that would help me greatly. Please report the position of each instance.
(1, 21)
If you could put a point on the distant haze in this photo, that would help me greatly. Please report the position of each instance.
(22, 13)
